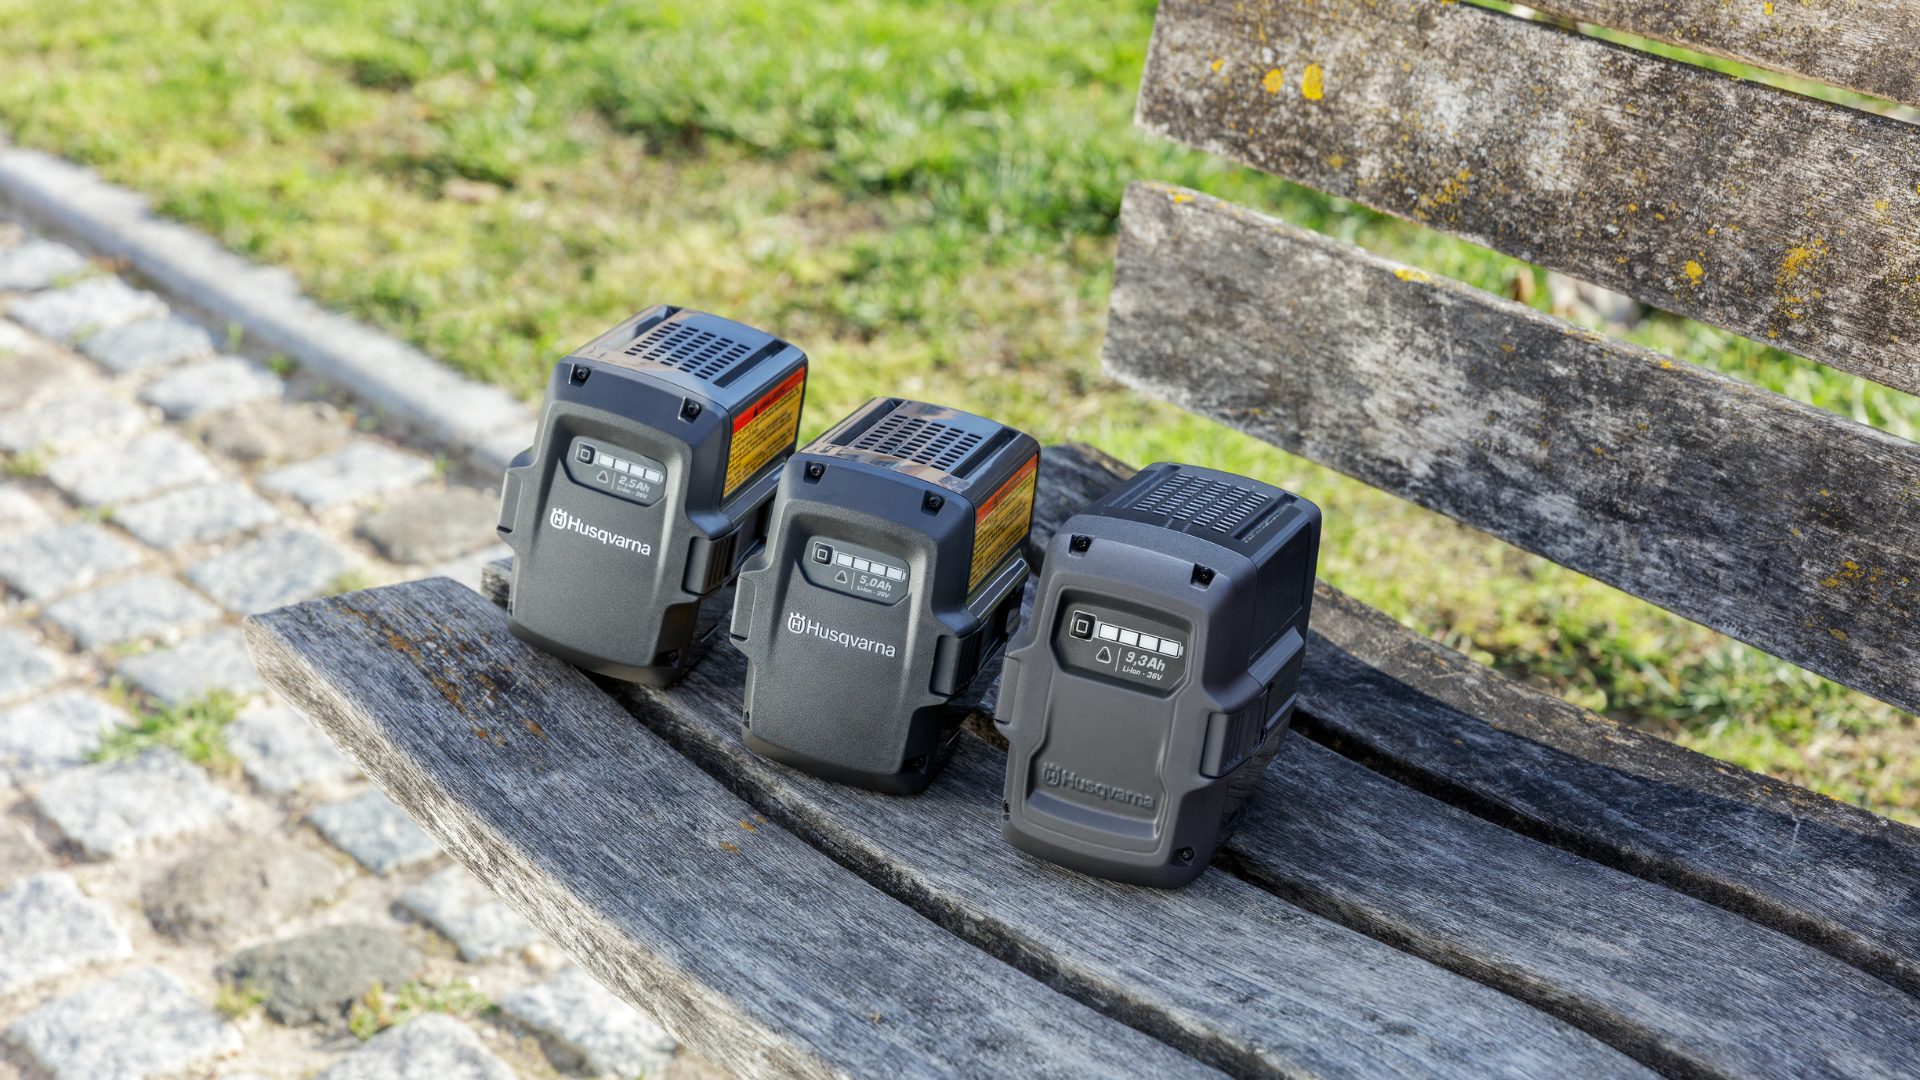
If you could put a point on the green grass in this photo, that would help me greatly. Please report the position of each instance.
(381, 1009)
(195, 729)
(920, 193)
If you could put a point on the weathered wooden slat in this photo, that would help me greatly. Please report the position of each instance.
(1552, 956)
(1783, 525)
(1222, 970)
(1687, 988)
(1789, 220)
(745, 942)
(1869, 47)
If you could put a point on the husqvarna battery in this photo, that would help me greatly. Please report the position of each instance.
(1157, 676)
(659, 450)
(892, 573)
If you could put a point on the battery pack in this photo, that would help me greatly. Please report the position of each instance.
(893, 571)
(658, 454)
(1158, 674)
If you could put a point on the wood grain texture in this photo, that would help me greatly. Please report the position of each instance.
(1684, 987)
(745, 942)
(1221, 969)
(1794, 222)
(1785, 526)
(1862, 45)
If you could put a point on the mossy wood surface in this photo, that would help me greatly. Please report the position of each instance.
(1790, 528)
(1870, 46)
(1789, 220)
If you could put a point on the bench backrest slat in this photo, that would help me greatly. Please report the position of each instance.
(1783, 525)
(1788, 220)
(1861, 46)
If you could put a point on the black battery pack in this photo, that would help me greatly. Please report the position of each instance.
(1158, 674)
(658, 454)
(893, 571)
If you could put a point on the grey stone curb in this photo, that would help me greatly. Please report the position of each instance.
(483, 424)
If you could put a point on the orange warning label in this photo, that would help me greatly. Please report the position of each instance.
(1003, 521)
(764, 429)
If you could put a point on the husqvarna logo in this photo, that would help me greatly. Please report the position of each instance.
(1055, 776)
(800, 624)
(560, 519)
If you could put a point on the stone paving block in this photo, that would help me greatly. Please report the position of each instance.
(21, 856)
(209, 386)
(69, 423)
(25, 667)
(153, 463)
(47, 926)
(56, 732)
(585, 1021)
(195, 515)
(215, 661)
(34, 375)
(119, 807)
(15, 340)
(376, 832)
(360, 469)
(40, 264)
(430, 1047)
(235, 889)
(434, 528)
(316, 976)
(280, 568)
(54, 561)
(20, 513)
(283, 752)
(96, 304)
(276, 432)
(138, 1026)
(468, 569)
(472, 917)
(142, 607)
(147, 343)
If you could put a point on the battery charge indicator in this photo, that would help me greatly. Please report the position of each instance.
(1090, 627)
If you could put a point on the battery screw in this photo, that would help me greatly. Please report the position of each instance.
(815, 470)
(1203, 576)
(933, 503)
(1080, 543)
(580, 373)
(1006, 811)
(689, 409)
(1185, 855)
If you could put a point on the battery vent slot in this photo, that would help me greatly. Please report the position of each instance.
(1205, 502)
(697, 352)
(919, 440)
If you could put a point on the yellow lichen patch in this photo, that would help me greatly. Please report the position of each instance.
(1273, 82)
(1694, 272)
(1336, 161)
(1840, 634)
(1799, 260)
(1666, 365)
(747, 825)
(1506, 347)
(1217, 63)
(1412, 275)
(1312, 83)
(1181, 197)
(1767, 8)
(730, 847)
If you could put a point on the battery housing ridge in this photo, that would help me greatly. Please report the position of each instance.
(893, 571)
(658, 454)
(1157, 675)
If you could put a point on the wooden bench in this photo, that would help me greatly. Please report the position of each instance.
(1444, 873)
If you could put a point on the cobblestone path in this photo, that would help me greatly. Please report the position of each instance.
(161, 920)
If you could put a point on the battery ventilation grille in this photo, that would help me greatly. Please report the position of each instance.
(697, 352)
(919, 440)
(1202, 501)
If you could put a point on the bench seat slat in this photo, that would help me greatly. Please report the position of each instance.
(1788, 527)
(1785, 219)
(1872, 48)
(744, 941)
(1782, 856)
(1220, 969)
